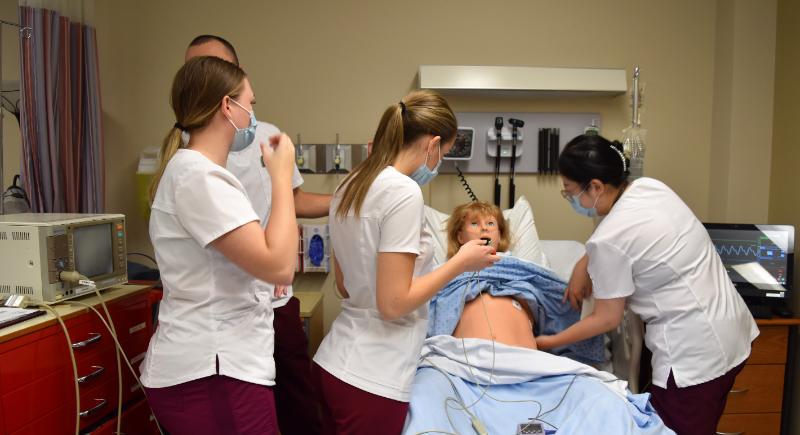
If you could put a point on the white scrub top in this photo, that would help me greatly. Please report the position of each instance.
(246, 166)
(652, 249)
(361, 349)
(210, 313)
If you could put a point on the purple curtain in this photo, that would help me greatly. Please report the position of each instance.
(62, 140)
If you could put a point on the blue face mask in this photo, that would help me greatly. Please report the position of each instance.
(575, 202)
(243, 136)
(423, 175)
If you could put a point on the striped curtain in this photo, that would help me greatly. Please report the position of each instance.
(62, 139)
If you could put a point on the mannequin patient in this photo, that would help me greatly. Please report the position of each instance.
(510, 319)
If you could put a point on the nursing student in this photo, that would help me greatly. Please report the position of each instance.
(209, 366)
(365, 365)
(294, 394)
(651, 253)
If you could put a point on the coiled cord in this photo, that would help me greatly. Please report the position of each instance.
(465, 184)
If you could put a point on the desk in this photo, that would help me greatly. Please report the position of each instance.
(758, 401)
(311, 314)
(37, 393)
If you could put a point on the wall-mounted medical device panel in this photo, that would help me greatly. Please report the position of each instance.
(483, 146)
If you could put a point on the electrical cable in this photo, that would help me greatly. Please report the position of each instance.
(121, 351)
(145, 256)
(76, 277)
(113, 332)
(476, 423)
(464, 183)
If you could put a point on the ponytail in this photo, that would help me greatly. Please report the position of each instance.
(418, 113)
(197, 90)
(171, 144)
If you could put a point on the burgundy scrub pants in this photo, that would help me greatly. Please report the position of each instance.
(215, 405)
(295, 398)
(693, 410)
(347, 410)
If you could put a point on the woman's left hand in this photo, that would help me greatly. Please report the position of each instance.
(280, 291)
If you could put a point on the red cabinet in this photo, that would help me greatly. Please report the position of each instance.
(37, 387)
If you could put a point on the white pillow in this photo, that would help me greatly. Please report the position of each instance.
(525, 242)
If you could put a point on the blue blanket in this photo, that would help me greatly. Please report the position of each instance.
(510, 276)
(503, 386)
(587, 407)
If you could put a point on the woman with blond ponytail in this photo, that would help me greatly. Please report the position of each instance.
(366, 363)
(209, 367)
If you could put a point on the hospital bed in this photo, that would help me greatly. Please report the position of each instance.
(450, 393)
(624, 344)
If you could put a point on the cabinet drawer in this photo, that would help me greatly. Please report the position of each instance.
(59, 422)
(38, 399)
(26, 364)
(135, 420)
(750, 424)
(770, 345)
(131, 388)
(758, 388)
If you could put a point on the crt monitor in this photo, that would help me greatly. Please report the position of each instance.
(94, 250)
(759, 258)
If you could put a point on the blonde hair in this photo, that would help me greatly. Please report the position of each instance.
(418, 113)
(197, 91)
(476, 208)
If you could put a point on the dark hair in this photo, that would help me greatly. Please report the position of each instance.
(589, 157)
(202, 39)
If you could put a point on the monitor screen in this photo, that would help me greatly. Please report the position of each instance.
(758, 258)
(93, 249)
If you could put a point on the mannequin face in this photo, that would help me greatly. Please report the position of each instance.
(476, 226)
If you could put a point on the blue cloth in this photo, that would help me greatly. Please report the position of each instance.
(588, 407)
(510, 276)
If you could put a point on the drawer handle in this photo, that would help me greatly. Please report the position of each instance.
(742, 391)
(89, 412)
(95, 337)
(98, 370)
(730, 433)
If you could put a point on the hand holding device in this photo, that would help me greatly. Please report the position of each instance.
(475, 255)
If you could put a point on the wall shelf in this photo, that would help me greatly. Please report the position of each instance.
(462, 79)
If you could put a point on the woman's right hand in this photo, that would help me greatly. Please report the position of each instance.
(279, 156)
(475, 255)
(580, 284)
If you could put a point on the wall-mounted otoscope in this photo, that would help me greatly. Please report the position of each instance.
(498, 129)
(515, 125)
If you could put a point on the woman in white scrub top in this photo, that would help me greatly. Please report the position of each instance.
(366, 363)
(209, 366)
(651, 253)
